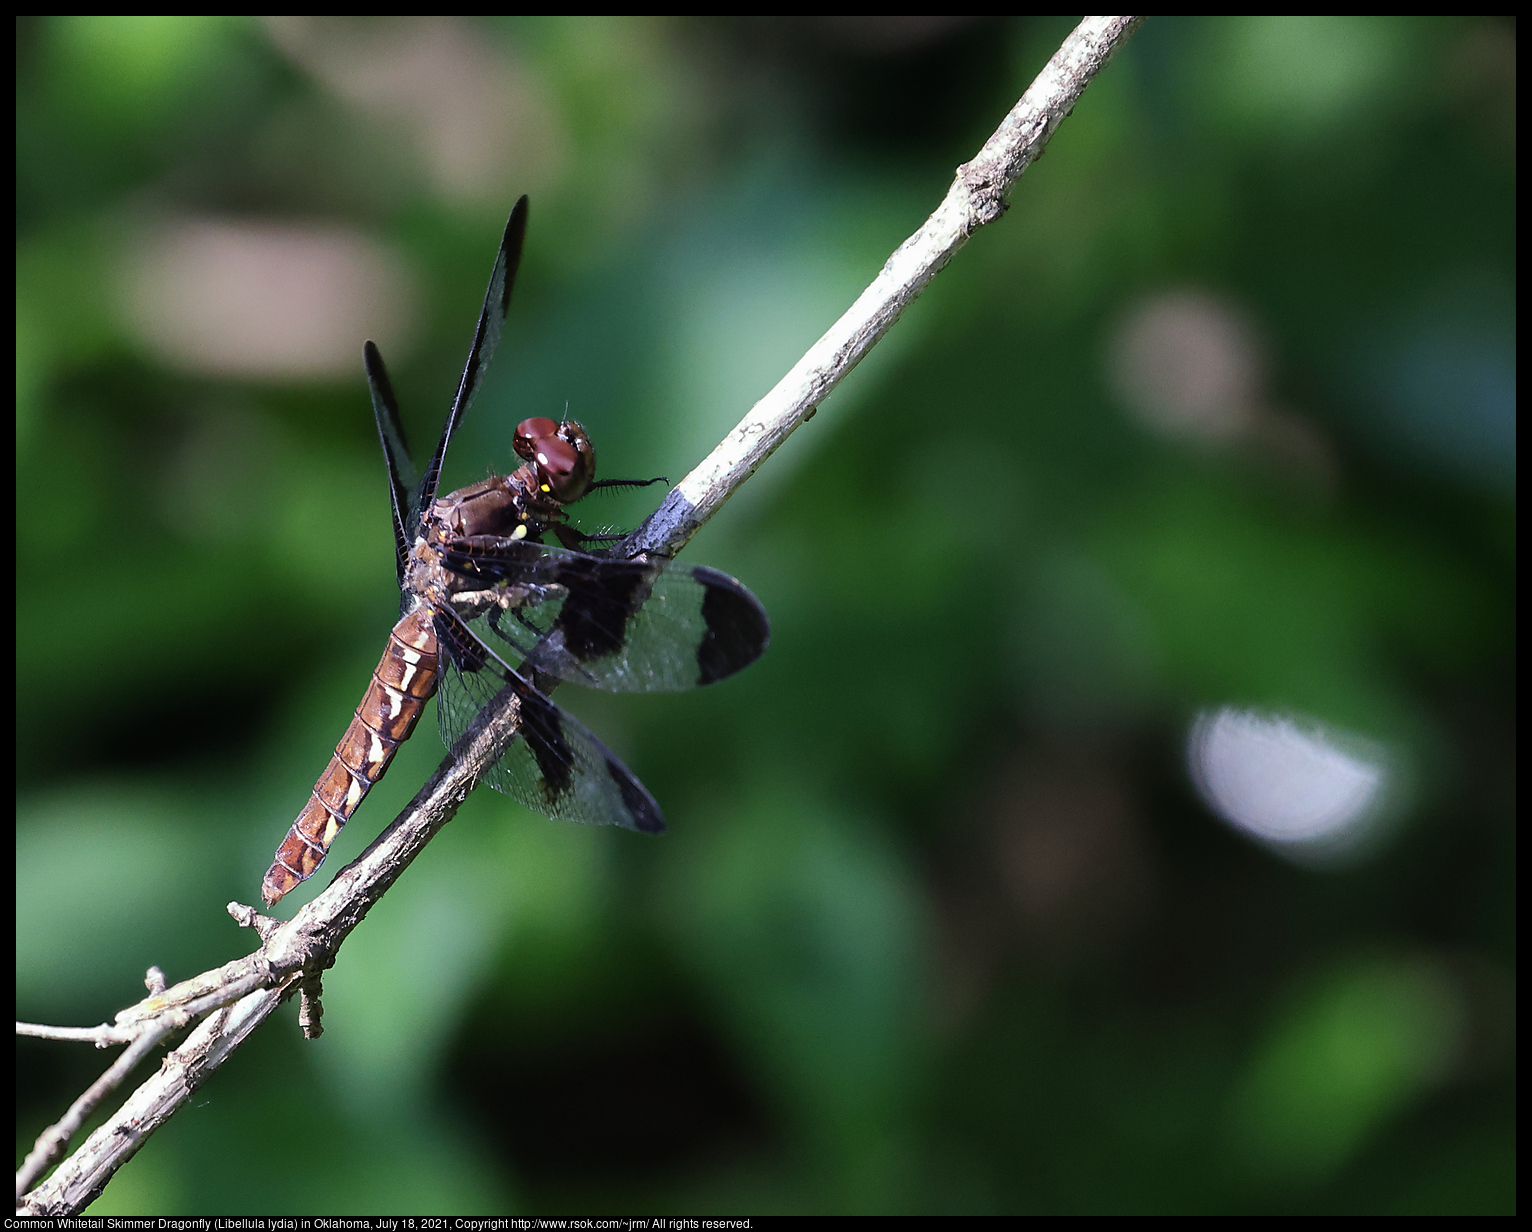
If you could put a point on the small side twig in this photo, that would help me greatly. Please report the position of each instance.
(311, 1007)
(104, 1036)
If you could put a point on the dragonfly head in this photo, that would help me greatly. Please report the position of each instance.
(562, 455)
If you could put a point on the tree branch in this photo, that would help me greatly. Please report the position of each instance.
(239, 996)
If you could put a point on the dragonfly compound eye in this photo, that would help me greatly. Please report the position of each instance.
(529, 432)
(563, 468)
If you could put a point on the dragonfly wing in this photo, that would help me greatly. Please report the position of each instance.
(627, 626)
(554, 765)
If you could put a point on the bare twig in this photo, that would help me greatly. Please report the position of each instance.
(103, 1036)
(293, 956)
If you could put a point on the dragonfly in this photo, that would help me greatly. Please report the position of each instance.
(488, 609)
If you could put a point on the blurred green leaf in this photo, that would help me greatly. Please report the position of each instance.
(1342, 1058)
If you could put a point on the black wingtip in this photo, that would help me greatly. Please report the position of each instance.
(643, 813)
(738, 629)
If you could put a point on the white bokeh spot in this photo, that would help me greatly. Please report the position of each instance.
(1304, 790)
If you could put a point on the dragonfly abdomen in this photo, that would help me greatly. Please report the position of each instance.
(403, 681)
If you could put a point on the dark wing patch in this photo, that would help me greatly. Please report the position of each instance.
(543, 732)
(593, 621)
(627, 626)
(459, 646)
(554, 765)
(738, 630)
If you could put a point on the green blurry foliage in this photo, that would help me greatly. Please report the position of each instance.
(810, 935)
(1345, 1056)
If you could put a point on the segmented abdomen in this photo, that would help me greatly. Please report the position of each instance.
(404, 680)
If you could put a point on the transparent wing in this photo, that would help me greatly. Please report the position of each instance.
(554, 765)
(627, 626)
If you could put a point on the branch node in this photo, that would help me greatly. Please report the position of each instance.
(311, 1007)
(249, 917)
